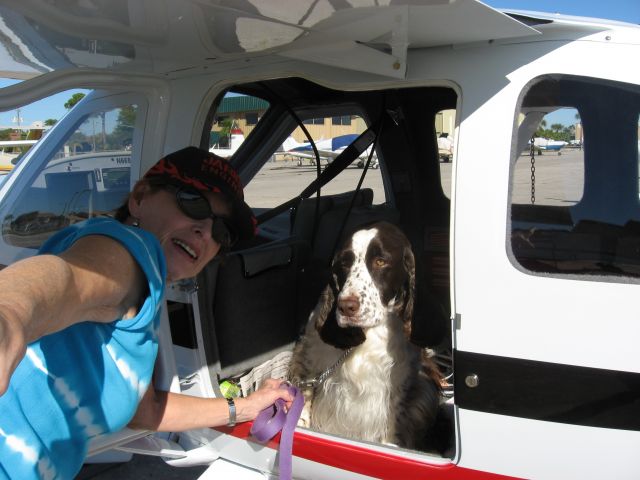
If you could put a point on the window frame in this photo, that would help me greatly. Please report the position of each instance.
(579, 213)
(39, 156)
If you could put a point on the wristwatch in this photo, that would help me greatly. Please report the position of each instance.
(232, 412)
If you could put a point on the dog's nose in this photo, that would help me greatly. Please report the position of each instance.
(348, 306)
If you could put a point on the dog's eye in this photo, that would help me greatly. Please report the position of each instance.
(380, 262)
(344, 260)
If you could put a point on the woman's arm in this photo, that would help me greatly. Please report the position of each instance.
(95, 279)
(174, 412)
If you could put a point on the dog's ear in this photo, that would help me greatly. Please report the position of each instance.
(326, 324)
(410, 290)
(325, 304)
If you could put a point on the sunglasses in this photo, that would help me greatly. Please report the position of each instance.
(196, 206)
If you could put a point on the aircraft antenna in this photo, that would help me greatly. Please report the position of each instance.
(17, 119)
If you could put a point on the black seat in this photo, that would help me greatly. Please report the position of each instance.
(255, 313)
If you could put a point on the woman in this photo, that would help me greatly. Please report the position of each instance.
(78, 323)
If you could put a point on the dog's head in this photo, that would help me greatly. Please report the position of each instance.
(373, 277)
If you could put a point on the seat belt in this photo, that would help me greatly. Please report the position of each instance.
(342, 161)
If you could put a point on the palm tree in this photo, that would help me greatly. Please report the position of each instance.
(75, 98)
(226, 126)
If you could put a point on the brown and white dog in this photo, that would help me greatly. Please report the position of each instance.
(361, 376)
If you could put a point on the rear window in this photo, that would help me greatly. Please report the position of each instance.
(575, 197)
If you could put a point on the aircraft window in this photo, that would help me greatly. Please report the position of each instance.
(445, 123)
(252, 118)
(574, 203)
(343, 120)
(26, 125)
(314, 121)
(294, 165)
(88, 176)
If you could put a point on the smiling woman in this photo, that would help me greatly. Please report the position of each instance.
(175, 221)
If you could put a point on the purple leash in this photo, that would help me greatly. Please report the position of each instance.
(273, 419)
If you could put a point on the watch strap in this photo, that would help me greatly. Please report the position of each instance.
(232, 412)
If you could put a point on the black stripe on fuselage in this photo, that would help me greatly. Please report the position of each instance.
(548, 391)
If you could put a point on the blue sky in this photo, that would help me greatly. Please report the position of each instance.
(620, 10)
(51, 107)
(623, 10)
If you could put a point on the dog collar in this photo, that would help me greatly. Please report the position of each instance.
(315, 381)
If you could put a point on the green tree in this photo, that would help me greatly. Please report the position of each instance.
(225, 132)
(541, 131)
(122, 135)
(75, 98)
(50, 122)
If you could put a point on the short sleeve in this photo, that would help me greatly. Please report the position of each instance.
(142, 245)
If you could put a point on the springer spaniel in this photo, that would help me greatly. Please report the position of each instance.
(361, 376)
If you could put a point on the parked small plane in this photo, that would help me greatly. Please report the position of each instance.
(546, 144)
(9, 159)
(328, 149)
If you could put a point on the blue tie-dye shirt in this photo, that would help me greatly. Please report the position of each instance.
(85, 380)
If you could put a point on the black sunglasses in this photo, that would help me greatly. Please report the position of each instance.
(195, 205)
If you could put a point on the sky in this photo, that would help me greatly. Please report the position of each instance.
(51, 107)
(622, 10)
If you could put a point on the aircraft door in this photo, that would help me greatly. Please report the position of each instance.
(546, 319)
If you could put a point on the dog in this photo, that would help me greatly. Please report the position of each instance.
(360, 375)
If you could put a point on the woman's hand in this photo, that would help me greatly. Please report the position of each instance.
(175, 412)
(12, 348)
(249, 408)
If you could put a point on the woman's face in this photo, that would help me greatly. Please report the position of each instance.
(186, 242)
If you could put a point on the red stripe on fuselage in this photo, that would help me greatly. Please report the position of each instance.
(363, 460)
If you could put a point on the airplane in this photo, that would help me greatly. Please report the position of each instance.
(536, 298)
(328, 149)
(545, 144)
(9, 159)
